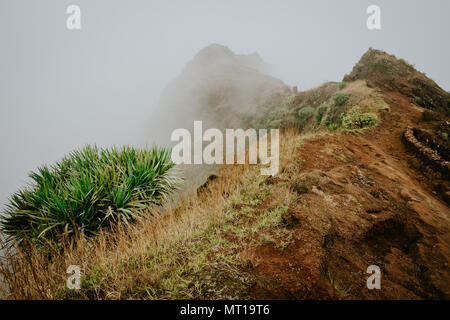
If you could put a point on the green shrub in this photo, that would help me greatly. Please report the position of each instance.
(275, 123)
(277, 117)
(306, 112)
(89, 189)
(320, 112)
(356, 119)
(342, 85)
(304, 115)
(289, 100)
(340, 98)
(278, 113)
(418, 100)
(334, 116)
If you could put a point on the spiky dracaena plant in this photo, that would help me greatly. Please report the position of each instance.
(87, 190)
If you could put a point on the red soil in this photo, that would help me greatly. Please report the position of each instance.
(371, 203)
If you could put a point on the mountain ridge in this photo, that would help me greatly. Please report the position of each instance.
(352, 192)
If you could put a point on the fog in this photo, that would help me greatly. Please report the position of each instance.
(62, 89)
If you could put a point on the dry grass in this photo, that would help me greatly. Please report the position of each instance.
(114, 258)
(195, 249)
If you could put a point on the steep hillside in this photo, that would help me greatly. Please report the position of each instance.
(363, 181)
(361, 203)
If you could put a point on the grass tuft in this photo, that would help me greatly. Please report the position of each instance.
(87, 190)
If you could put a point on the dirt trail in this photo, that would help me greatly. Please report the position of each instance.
(365, 205)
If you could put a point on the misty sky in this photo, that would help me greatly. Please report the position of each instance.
(61, 89)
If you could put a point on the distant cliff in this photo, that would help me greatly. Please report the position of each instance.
(220, 88)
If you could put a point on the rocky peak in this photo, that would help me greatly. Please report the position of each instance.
(384, 70)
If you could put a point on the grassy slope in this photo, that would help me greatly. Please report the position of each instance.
(196, 250)
(341, 202)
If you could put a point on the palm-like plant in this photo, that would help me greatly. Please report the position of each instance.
(89, 189)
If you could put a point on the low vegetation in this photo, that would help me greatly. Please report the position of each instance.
(320, 113)
(340, 98)
(355, 118)
(89, 189)
(304, 115)
(334, 117)
(195, 249)
(276, 118)
(332, 127)
(241, 235)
